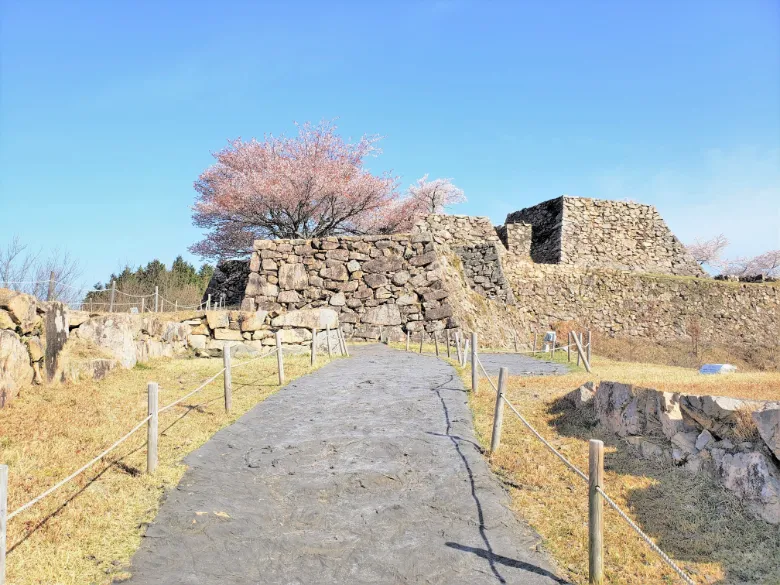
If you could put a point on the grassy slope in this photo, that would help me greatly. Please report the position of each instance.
(88, 530)
(698, 523)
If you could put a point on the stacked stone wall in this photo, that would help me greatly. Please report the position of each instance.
(375, 283)
(653, 306)
(546, 220)
(458, 230)
(483, 271)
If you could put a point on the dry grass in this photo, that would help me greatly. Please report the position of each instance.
(87, 531)
(698, 523)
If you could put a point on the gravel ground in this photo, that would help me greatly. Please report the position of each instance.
(365, 471)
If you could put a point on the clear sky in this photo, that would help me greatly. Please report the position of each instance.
(109, 110)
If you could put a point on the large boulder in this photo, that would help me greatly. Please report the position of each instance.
(115, 334)
(717, 414)
(308, 319)
(753, 478)
(21, 308)
(382, 315)
(620, 408)
(15, 369)
(293, 277)
(768, 422)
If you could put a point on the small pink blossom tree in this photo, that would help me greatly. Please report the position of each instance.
(309, 186)
(708, 251)
(434, 196)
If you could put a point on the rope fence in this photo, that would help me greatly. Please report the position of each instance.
(151, 421)
(594, 479)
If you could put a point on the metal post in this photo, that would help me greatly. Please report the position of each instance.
(151, 429)
(279, 358)
(474, 367)
(113, 294)
(314, 346)
(156, 299)
(50, 292)
(595, 513)
(228, 378)
(498, 416)
(327, 329)
(3, 518)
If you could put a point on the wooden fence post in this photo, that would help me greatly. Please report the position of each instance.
(457, 348)
(595, 513)
(228, 377)
(589, 346)
(581, 353)
(498, 416)
(113, 294)
(279, 358)
(449, 353)
(436, 342)
(474, 366)
(552, 349)
(422, 336)
(151, 428)
(156, 299)
(3, 518)
(536, 335)
(143, 299)
(327, 330)
(514, 336)
(408, 333)
(314, 346)
(568, 349)
(50, 292)
(208, 303)
(344, 340)
(574, 333)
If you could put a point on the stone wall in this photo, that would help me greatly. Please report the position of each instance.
(458, 230)
(605, 234)
(228, 283)
(546, 220)
(701, 434)
(388, 282)
(483, 271)
(519, 238)
(653, 306)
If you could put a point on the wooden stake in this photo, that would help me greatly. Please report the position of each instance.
(422, 335)
(581, 353)
(113, 294)
(436, 342)
(152, 391)
(514, 336)
(568, 349)
(498, 415)
(344, 341)
(143, 303)
(589, 345)
(457, 347)
(314, 346)
(279, 358)
(327, 329)
(449, 354)
(3, 518)
(156, 299)
(474, 366)
(536, 336)
(228, 378)
(595, 513)
(408, 333)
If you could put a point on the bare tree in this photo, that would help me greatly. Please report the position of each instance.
(30, 271)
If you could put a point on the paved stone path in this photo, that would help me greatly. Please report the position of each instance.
(519, 365)
(365, 471)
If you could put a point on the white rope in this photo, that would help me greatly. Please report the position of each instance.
(609, 500)
(198, 389)
(646, 538)
(80, 470)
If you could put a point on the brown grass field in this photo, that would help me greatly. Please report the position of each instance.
(703, 527)
(86, 532)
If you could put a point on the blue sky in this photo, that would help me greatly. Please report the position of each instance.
(109, 110)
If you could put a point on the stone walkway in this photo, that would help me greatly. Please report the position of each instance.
(365, 471)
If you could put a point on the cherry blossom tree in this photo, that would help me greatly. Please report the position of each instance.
(766, 264)
(708, 251)
(309, 186)
(434, 196)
